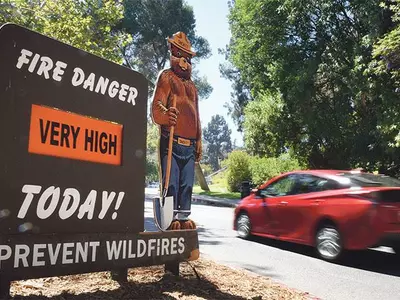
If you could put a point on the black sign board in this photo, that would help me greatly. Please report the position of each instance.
(54, 255)
(73, 139)
(72, 163)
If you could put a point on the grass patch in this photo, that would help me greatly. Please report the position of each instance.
(217, 188)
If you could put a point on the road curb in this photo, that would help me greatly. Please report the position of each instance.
(206, 200)
(214, 201)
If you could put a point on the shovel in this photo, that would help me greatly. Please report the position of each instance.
(163, 206)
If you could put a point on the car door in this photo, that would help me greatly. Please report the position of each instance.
(277, 196)
(298, 215)
(256, 208)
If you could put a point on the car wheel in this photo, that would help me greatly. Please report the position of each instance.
(243, 226)
(328, 243)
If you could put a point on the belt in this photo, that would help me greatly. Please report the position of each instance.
(181, 141)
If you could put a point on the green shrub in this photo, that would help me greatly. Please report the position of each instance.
(238, 163)
(265, 168)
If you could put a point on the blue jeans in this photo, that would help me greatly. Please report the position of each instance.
(182, 175)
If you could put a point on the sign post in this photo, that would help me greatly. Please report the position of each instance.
(72, 164)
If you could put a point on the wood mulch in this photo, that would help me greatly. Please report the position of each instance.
(200, 279)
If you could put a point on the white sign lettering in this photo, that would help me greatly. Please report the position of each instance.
(40, 255)
(45, 67)
(70, 204)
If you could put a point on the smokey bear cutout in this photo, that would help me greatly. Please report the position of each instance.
(175, 106)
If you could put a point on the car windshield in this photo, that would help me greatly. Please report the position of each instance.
(367, 179)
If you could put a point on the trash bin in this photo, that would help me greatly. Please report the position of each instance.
(245, 189)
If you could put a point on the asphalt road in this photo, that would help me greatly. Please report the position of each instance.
(363, 275)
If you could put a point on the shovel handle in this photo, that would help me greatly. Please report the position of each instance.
(169, 158)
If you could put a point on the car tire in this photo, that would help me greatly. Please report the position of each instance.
(328, 243)
(243, 226)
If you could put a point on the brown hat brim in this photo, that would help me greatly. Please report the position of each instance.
(171, 41)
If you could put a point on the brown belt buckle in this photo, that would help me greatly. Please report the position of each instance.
(184, 142)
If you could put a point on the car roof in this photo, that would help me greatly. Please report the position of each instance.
(321, 172)
(324, 173)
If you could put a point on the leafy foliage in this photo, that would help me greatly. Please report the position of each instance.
(261, 119)
(313, 57)
(152, 173)
(386, 62)
(218, 138)
(240, 94)
(265, 168)
(238, 170)
(152, 138)
(87, 25)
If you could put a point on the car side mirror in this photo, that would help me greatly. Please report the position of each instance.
(258, 193)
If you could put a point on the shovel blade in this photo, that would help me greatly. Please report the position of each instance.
(163, 208)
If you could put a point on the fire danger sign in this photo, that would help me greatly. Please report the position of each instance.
(72, 163)
(73, 136)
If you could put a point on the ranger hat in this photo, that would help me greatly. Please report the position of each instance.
(181, 41)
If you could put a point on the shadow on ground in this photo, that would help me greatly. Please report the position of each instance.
(368, 260)
(209, 236)
(255, 268)
(168, 287)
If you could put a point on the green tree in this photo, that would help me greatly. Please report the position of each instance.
(240, 95)
(218, 138)
(386, 63)
(87, 25)
(152, 138)
(152, 160)
(150, 22)
(151, 171)
(261, 119)
(315, 54)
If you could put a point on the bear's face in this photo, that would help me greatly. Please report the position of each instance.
(181, 62)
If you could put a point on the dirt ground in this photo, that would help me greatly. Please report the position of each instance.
(200, 279)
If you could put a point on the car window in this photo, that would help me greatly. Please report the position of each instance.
(281, 187)
(367, 179)
(306, 183)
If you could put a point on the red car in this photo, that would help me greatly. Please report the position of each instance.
(331, 210)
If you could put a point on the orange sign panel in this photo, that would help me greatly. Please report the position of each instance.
(59, 133)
